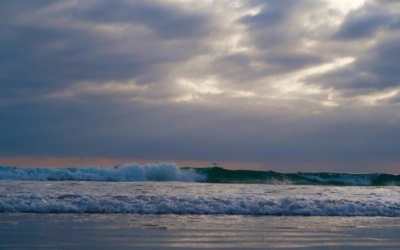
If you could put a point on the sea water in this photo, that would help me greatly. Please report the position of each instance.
(167, 189)
(166, 207)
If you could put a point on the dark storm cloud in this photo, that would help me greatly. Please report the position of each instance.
(237, 68)
(284, 62)
(275, 39)
(272, 13)
(167, 21)
(375, 67)
(276, 25)
(363, 25)
(38, 57)
(32, 60)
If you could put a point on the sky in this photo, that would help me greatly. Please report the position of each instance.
(306, 85)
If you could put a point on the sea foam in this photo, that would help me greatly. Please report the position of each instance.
(184, 204)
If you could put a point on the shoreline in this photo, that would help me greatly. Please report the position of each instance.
(104, 231)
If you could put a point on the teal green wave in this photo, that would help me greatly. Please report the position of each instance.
(221, 175)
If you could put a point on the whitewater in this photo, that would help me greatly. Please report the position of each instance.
(167, 189)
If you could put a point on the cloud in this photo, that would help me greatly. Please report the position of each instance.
(364, 22)
(285, 83)
(371, 73)
(373, 77)
(166, 21)
(93, 129)
(61, 44)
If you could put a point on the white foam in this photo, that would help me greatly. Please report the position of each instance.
(184, 204)
(130, 172)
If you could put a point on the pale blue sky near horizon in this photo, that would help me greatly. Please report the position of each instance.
(307, 85)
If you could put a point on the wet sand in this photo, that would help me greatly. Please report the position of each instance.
(130, 231)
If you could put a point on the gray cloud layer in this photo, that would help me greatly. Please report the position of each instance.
(286, 83)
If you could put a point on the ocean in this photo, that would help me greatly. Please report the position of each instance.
(142, 194)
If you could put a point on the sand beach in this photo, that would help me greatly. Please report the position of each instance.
(132, 231)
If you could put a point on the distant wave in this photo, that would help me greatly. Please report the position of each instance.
(220, 175)
(183, 204)
(170, 172)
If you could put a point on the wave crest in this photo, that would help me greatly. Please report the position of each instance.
(171, 172)
(130, 172)
(220, 175)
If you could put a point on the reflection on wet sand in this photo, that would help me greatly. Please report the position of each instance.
(104, 231)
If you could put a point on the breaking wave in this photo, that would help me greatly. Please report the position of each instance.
(170, 172)
(131, 172)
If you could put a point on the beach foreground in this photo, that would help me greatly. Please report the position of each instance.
(133, 231)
